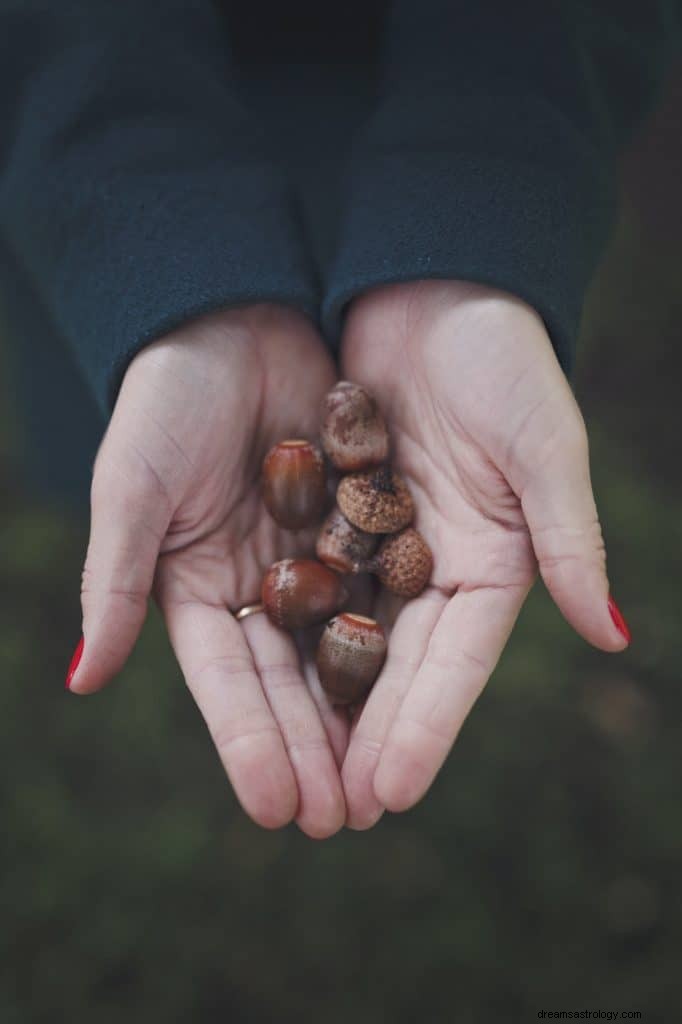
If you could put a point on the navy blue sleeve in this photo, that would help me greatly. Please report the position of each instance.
(134, 189)
(490, 155)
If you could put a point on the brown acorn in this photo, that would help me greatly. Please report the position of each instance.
(350, 655)
(354, 434)
(377, 501)
(403, 563)
(294, 484)
(342, 545)
(299, 592)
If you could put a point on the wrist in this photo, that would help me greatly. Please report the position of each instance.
(210, 337)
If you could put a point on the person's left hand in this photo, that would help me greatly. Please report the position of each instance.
(487, 433)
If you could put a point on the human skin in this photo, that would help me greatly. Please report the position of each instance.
(488, 435)
(492, 443)
(177, 509)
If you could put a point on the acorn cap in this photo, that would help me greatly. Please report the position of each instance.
(353, 434)
(351, 652)
(403, 563)
(377, 501)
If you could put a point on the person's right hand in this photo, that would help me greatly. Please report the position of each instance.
(176, 506)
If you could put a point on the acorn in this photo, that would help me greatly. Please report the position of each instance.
(403, 563)
(354, 434)
(299, 592)
(377, 501)
(294, 484)
(343, 546)
(350, 655)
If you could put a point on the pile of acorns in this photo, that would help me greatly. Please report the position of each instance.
(368, 531)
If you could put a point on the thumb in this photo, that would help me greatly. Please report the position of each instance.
(561, 513)
(130, 512)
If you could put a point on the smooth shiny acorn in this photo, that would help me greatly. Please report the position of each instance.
(294, 484)
(403, 563)
(343, 546)
(377, 501)
(299, 592)
(350, 655)
(354, 434)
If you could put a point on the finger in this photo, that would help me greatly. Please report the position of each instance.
(129, 518)
(321, 805)
(462, 652)
(407, 647)
(561, 513)
(334, 719)
(218, 666)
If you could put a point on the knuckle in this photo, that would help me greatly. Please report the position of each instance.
(428, 730)
(562, 546)
(277, 677)
(304, 740)
(242, 730)
(93, 588)
(228, 666)
(368, 745)
(461, 661)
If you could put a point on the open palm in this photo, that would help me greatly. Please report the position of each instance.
(487, 433)
(176, 505)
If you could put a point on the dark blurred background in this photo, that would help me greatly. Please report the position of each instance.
(541, 872)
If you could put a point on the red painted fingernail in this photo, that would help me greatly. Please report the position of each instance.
(618, 620)
(75, 662)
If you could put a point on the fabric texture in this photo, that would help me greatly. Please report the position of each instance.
(163, 159)
(491, 153)
(136, 192)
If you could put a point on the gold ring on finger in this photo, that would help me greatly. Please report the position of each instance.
(249, 609)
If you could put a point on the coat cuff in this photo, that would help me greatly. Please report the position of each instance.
(487, 189)
(141, 254)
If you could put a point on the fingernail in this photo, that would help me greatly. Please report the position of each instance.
(618, 620)
(75, 662)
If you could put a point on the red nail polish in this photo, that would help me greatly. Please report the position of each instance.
(75, 662)
(618, 620)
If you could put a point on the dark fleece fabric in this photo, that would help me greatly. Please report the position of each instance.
(164, 158)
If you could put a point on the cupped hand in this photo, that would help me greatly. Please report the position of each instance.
(492, 443)
(177, 509)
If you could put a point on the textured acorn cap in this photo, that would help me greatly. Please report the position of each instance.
(403, 563)
(354, 434)
(377, 501)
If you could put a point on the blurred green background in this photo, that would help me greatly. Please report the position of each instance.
(541, 872)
